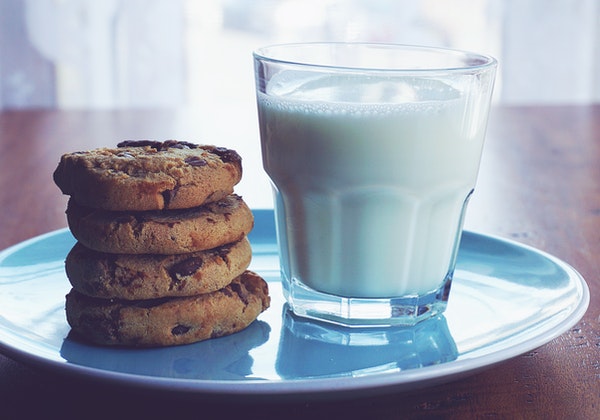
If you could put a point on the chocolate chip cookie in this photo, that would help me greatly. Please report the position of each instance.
(135, 277)
(149, 175)
(161, 232)
(169, 321)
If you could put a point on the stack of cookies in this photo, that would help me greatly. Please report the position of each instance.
(162, 252)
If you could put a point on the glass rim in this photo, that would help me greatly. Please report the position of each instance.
(478, 62)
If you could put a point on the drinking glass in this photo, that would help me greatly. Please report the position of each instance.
(373, 152)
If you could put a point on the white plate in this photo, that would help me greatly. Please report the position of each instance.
(506, 299)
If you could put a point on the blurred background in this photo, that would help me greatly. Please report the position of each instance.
(165, 53)
(187, 64)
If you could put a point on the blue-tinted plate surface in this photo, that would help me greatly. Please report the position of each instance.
(506, 299)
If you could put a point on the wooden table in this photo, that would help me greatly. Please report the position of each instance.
(539, 184)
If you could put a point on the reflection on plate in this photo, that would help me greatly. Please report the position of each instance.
(506, 299)
(330, 350)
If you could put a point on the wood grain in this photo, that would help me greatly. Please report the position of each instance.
(539, 185)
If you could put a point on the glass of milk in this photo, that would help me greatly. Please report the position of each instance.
(373, 152)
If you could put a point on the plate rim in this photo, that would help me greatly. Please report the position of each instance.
(318, 386)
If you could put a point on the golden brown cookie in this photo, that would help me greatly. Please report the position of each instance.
(161, 232)
(169, 321)
(135, 277)
(149, 175)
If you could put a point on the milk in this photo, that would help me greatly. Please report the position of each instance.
(371, 177)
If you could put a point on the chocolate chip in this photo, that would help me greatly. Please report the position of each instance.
(241, 292)
(179, 145)
(226, 292)
(140, 143)
(126, 277)
(159, 146)
(195, 161)
(186, 267)
(226, 155)
(180, 329)
(223, 252)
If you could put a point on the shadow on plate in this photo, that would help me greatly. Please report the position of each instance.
(224, 358)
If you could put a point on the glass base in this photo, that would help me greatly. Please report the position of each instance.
(365, 312)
